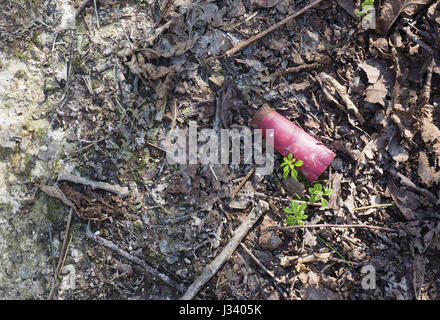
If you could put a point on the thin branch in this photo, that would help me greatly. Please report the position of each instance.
(110, 245)
(164, 7)
(114, 188)
(249, 252)
(257, 37)
(297, 69)
(335, 226)
(246, 178)
(373, 206)
(83, 5)
(228, 250)
(63, 253)
(96, 13)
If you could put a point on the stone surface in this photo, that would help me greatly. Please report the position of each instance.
(269, 240)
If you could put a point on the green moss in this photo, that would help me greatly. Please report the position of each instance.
(38, 128)
(19, 55)
(57, 167)
(55, 211)
(95, 84)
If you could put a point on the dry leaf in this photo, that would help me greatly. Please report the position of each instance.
(377, 92)
(397, 152)
(154, 72)
(379, 81)
(335, 181)
(265, 3)
(55, 192)
(372, 70)
(391, 10)
(406, 201)
(253, 63)
(162, 91)
(349, 6)
(430, 132)
(418, 274)
(404, 121)
(428, 175)
(332, 84)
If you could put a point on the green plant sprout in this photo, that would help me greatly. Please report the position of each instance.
(367, 5)
(289, 164)
(295, 213)
(318, 193)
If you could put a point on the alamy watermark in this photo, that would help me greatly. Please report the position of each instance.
(226, 146)
(369, 280)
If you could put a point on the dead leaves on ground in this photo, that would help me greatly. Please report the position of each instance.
(379, 81)
(430, 130)
(392, 9)
(428, 175)
(90, 206)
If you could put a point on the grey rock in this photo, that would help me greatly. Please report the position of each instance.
(293, 186)
(239, 204)
(269, 240)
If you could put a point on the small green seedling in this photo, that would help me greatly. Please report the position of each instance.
(295, 213)
(367, 5)
(289, 164)
(318, 194)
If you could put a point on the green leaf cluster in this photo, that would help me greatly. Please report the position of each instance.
(318, 193)
(367, 5)
(295, 213)
(289, 164)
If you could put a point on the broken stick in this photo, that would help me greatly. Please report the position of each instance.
(247, 42)
(214, 266)
(110, 245)
(120, 191)
(332, 226)
(246, 178)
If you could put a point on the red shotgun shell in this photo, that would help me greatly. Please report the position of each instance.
(289, 138)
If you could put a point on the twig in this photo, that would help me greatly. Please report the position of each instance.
(34, 17)
(380, 205)
(62, 254)
(51, 247)
(246, 178)
(246, 43)
(159, 148)
(165, 6)
(93, 143)
(249, 252)
(83, 5)
(426, 95)
(297, 69)
(408, 183)
(117, 189)
(414, 38)
(214, 266)
(156, 181)
(353, 263)
(213, 172)
(110, 245)
(329, 81)
(336, 226)
(177, 219)
(96, 13)
(241, 22)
